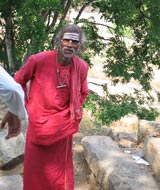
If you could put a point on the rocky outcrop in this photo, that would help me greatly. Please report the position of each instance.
(112, 169)
(152, 154)
(10, 149)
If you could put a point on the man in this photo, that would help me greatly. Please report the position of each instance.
(12, 94)
(58, 88)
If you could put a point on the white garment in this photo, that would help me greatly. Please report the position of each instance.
(12, 94)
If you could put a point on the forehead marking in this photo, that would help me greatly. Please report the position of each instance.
(71, 36)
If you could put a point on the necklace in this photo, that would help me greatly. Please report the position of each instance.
(61, 84)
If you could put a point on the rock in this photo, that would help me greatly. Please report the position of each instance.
(112, 168)
(13, 182)
(106, 131)
(127, 124)
(124, 143)
(11, 148)
(122, 135)
(148, 128)
(152, 154)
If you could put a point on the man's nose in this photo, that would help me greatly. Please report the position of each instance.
(70, 43)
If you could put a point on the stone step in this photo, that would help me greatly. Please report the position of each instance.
(112, 169)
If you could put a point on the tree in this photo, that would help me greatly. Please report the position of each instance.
(135, 62)
(30, 26)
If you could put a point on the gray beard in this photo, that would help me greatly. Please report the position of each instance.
(66, 55)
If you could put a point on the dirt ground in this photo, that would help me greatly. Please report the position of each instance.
(80, 165)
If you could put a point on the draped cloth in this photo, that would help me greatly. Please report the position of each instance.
(12, 94)
(49, 167)
(54, 116)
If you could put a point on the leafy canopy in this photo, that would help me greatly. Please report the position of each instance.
(29, 26)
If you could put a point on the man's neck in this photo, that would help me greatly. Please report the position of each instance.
(63, 60)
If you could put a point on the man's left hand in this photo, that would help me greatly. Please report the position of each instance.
(14, 125)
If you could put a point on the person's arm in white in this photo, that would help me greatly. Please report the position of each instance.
(12, 94)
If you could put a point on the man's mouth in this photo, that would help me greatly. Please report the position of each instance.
(68, 51)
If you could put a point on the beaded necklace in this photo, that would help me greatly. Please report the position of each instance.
(62, 84)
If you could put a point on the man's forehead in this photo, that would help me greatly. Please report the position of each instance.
(71, 36)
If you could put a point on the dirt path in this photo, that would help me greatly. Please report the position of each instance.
(80, 165)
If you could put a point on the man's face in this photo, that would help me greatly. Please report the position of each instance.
(69, 44)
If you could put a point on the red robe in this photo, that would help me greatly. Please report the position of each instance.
(54, 116)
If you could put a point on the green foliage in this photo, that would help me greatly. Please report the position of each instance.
(113, 107)
(33, 24)
(32, 35)
(147, 114)
(137, 60)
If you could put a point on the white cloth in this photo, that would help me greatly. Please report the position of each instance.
(12, 94)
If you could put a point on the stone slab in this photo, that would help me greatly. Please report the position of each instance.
(113, 169)
(152, 154)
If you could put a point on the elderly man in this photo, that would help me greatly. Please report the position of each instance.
(58, 89)
(12, 94)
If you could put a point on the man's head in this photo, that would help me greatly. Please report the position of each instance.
(70, 40)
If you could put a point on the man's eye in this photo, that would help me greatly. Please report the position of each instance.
(75, 41)
(66, 40)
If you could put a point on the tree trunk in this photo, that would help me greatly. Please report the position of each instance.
(8, 41)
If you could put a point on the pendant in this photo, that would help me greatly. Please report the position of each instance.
(62, 86)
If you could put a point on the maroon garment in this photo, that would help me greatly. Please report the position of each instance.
(54, 116)
(53, 112)
(49, 167)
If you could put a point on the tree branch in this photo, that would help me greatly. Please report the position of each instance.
(81, 10)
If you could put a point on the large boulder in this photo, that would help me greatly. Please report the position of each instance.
(152, 154)
(11, 148)
(112, 169)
